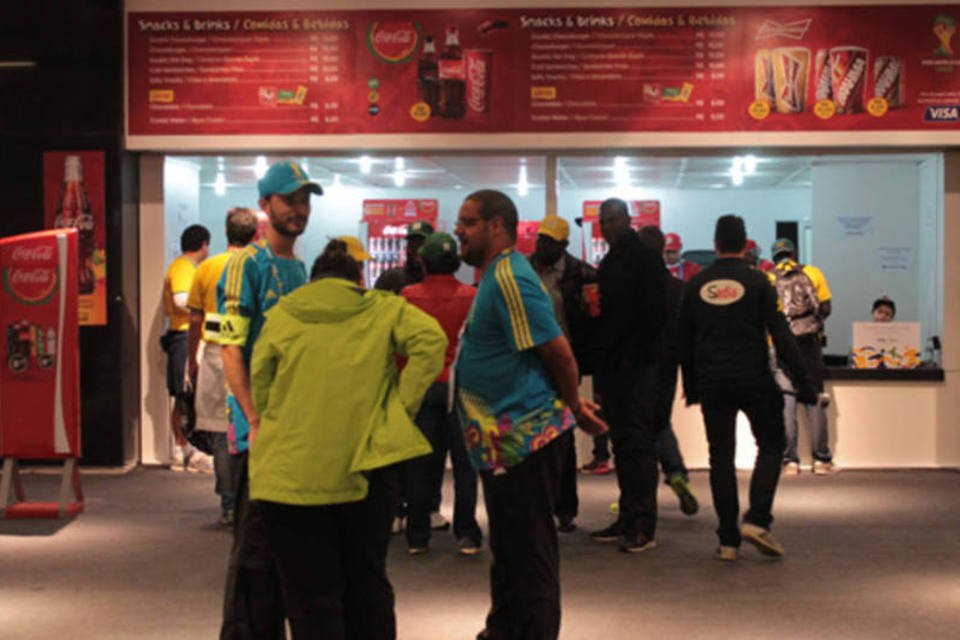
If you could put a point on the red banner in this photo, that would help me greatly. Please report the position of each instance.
(39, 377)
(73, 198)
(405, 210)
(550, 70)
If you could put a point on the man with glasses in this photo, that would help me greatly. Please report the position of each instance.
(517, 384)
(253, 281)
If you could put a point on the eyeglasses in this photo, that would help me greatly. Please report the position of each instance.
(468, 222)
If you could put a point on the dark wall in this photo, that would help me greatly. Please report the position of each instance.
(73, 100)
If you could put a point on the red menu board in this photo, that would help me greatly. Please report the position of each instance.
(39, 375)
(544, 70)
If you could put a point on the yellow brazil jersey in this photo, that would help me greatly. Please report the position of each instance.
(203, 293)
(178, 280)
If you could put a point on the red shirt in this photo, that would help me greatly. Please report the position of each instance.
(684, 270)
(448, 300)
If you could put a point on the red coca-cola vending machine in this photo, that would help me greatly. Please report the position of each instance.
(642, 214)
(39, 374)
(386, 230)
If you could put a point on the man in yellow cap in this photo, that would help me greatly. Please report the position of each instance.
(564, 277)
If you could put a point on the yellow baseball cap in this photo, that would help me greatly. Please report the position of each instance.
(553, 226)
(355, 248)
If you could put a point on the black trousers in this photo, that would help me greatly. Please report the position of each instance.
(568, 503)
(252, 602)
(525, 574)
(632, 405)
(332, 561)
(763, 406)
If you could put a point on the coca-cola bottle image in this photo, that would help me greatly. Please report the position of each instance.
(453, 77)
(428, 75)
(73, 212)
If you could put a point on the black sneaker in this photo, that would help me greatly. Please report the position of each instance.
(688, 502)
(610, 534)
(637, 544)
(566, 525)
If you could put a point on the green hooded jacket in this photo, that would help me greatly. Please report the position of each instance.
(331, 403)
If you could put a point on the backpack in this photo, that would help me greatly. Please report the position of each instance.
(799, 300)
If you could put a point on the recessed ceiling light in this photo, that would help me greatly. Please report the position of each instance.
(365, 164)
(260, 167)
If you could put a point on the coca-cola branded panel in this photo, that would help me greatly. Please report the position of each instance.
(386, 221)
(73, 198)
(39, 372)
(642, 214)
(544, 70)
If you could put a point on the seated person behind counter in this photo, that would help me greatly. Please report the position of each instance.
(884, 309)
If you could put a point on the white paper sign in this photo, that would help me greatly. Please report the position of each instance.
(853, 227)
(895, 259)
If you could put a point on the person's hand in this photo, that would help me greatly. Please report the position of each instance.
(587, 418)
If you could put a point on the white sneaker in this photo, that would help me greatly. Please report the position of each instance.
(762, 539)
(725, 553)
(791, 468)
(177, 459)
(821, 468)
(199, 462)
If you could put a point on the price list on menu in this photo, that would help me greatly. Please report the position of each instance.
(793, 68)
(632, 72)
(242, 75)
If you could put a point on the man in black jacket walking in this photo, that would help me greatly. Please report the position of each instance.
(727, 312)
(633, 311)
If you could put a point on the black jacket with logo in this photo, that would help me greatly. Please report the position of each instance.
(727, 311)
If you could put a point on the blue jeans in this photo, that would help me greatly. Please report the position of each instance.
(816, 426)
(223, 468)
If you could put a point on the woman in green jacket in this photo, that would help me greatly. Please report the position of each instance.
(335, 419)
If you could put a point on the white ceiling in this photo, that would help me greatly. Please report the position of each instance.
(501, 171)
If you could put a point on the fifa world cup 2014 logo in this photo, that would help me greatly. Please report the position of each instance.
(944, 26)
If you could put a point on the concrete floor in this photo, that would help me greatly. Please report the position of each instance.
(871, 554)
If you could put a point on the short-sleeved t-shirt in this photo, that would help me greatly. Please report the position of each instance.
(203, 293)
(253, 281)
(178, 280)
(508, 406)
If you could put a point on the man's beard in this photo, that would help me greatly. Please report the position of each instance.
(282, 230)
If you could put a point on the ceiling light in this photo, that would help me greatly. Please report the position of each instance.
(336, 181)
(621, 172)
(399, 178)
(306, 166)
(260, 167)
(523, 187)
(399, 164)
(365, 164)
(750, 164)
(736, 177)
(737, 165)
(220, 184)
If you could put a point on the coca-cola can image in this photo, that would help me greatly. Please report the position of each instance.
(479, 76)
(821, 76)
(848, 73)
(763, 76)
(888, 81)
(791, 70)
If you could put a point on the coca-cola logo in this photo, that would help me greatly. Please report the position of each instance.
(36, 253)
(477, 80)
(30, 285)
(393, 41)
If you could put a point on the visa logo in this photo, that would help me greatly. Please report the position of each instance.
(942, 113)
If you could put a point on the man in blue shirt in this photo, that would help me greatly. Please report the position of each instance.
(253, 281)
(516, 394)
